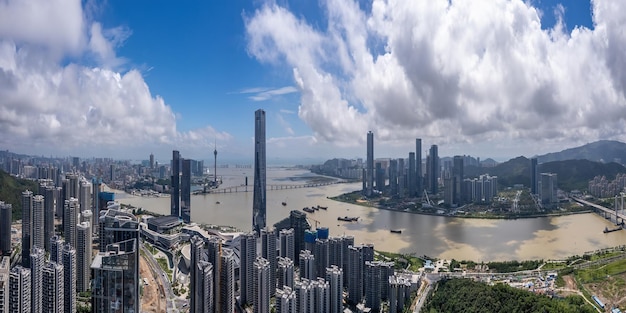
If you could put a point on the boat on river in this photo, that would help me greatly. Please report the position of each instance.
(348, 218)
(607, 230)
(396, 231)
(308, 210)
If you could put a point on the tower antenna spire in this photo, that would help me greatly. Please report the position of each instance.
(215, 163)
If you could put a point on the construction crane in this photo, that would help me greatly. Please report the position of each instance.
(316, 221)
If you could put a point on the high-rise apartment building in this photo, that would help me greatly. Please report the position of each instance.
(399, 293)
(116, 278)
(204, 288)
(457, 180)
(322, 295)
(96, 185)
(369, 171)
(6, 217)
(268, 252)
(285, 273)
(53, 291)
(195, 286)
(261, 282)
(307, 265)
(38, 222)
(69, 278)
(5, 267)
(412, 188)
(27, 224)
(50, 199)
(19, 290)
(286, 300)
(70, 219)
(175, 184)
(84, 197)
(259, 201)
(305, 295)
(185, 191)
(287, 243)
(227, 282)
(37, 262)
(214, 252)
(83, 256)
(247, 255)
(334, 276)
(393, 177)
(321, 253)
(548, 189)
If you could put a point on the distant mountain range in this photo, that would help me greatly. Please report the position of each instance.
(604, 151)
(571, 174)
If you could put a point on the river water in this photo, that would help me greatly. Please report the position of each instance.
(436, 236)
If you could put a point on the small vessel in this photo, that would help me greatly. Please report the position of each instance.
(347, 218)
(316, 208)
(308, 210)
(322, 207)
(217, 202)
(396, 231)
(284, 203)
(607, 230)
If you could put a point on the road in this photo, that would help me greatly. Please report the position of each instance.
(173, 303)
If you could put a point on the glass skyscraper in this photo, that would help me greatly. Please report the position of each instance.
(185, 191)
(259, 204)
(175, 184)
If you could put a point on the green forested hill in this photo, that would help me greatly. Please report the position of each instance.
(571, 174)
(466, 295)
(11, 189)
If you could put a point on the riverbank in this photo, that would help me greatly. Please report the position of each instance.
(434, 211)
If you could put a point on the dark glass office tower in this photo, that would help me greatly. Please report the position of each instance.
(185, 191)
(175, 184)
(370, 164)
(433, 168)
(419, 177)
(534, 177)
(259, 204)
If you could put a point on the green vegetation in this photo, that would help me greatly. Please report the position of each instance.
(151, 248)
(514, 266)
(596, 274)
(11, 189)
(465, 295)
(401, 260)
(572, 174)
(165, 267)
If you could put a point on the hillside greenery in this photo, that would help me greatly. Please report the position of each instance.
(11, 189)
(466, 295)
(571, 174)
(603, 151)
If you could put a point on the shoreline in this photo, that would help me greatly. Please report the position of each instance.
(496, 217)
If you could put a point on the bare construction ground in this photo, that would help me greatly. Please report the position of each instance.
(153, 299)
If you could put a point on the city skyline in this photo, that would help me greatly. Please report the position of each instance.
(111, 72)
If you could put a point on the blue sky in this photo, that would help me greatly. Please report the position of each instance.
(486, 78)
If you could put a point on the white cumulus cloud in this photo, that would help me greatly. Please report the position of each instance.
(449, 71)
(48, 102)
